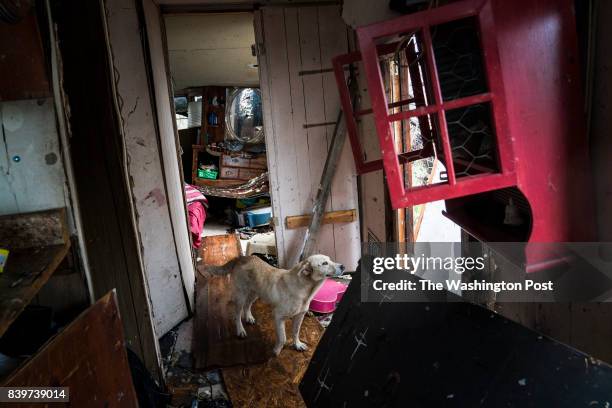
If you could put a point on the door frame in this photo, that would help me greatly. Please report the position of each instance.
(169, 142)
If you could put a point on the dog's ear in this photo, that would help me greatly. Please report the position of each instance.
(304, 268)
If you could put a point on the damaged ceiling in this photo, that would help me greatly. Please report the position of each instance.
(211, 49)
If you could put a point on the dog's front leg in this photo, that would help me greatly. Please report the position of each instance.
(281, 336)
(296, 325)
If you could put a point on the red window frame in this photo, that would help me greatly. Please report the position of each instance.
(369, 52)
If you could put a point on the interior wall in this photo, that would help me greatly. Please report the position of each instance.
(32, 176)
(292, 40)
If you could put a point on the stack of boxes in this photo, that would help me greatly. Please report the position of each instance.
(241, 168)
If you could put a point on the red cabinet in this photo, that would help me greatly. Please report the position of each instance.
(495, 97)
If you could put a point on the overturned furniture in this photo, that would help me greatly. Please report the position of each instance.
(500, 116)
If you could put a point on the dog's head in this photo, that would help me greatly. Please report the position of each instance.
(319, 267)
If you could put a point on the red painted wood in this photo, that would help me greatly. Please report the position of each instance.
(530, 56)
(539, 61)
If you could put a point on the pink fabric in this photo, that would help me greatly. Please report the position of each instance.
(197, 216)
(196, 207)
(193, 194)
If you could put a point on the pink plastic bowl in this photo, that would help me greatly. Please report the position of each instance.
(326, 298)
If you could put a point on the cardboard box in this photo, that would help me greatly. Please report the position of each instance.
(237, 173)
(258, 162)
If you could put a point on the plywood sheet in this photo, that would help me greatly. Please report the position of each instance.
(215, 340)
(275, 382)
(22, 72)
(149, 189)
(89, 357)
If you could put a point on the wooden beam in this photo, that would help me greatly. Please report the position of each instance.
(331, 217)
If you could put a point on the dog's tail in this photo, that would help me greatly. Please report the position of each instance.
(221, 270)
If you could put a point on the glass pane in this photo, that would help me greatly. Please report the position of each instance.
(402, 60)
(472, 140)
(459, 60)
(424, 162)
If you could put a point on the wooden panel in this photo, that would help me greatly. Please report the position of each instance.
(29, 132)
(491, 362)
(277, 111)
(169, 143)
(315, 104)
(38, 242)
(23, 69)
(96, 150)
(34, 229)
(332, 217)
(215, 340)
(219, 249)
(296, 42)
(88, 356)
(217, 182)
(143, 167)
(333, 37)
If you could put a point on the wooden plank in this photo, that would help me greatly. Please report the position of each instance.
(26, 272)
(96, 150)
(330, 217)
(169, 142)
(147, 192)
(38, 242)
(334, 34)
(219, 249)
(23, 72)
(35, 229)
(277, 106)
(89, 356)
(314, 101)
(299, 135)
(215, 340)
(217, 183)
(290, 41)
(274, 383)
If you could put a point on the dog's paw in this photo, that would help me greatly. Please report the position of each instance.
(242, 333)
(250, 320)
(299, 346)
(277, 349)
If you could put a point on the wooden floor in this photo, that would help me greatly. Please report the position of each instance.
(252, 375)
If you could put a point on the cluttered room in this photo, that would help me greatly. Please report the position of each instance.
(219, 119)
(190, 189)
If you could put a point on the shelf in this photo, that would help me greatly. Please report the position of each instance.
(38, 242)
(218, 182)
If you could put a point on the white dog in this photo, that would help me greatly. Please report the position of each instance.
(288, 291)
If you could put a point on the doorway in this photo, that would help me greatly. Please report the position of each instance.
(214, 78)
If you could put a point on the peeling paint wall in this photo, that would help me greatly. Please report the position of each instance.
(32, 175)
(144, 167)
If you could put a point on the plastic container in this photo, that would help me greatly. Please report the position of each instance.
(260, 216)
(208, 174)
(327, 297)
